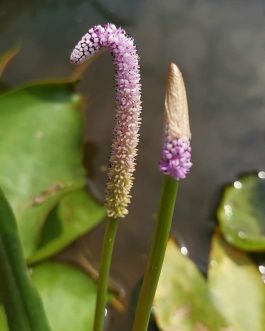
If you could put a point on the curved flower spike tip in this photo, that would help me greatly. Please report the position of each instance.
(128, 104)
(176, 153)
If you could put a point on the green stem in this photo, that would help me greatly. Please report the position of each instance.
(104, 270)
(157, 254)
(23, 305)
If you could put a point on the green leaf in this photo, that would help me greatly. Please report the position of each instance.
(76, 214)
(182, 301)
(41, 157)
(22, 303)
(3, 319)
(241, 213)
(236, 287)
(7, 57)
(68, 294)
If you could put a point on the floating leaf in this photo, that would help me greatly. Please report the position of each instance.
(241, 213)
(182, 300)
(41, 158)
(76, 214)
(68, 294)
(236, 287)
(7, 57)
(23, 305)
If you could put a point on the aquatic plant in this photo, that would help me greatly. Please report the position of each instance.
(45, 209)
(125, 137)
(175, 164)
(128, 104)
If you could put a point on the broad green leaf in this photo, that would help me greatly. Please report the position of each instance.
(241, 213)
(41, 158)
(182, 300)
(68, 294)
(236, 287)
(76, 214)
(7, 57)
(23, 306)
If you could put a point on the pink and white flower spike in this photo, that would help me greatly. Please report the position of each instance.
(128, 104)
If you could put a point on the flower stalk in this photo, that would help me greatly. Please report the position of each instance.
(103, 281)
(175, 164)
(125, 137)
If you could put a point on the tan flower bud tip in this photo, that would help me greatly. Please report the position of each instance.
(176, 105)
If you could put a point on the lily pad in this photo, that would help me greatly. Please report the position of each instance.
(236, 287)
(68, 295)
(76, 214)
(241, 213)
(182, 300)
(41, 153)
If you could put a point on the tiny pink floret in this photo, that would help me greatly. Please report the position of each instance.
(128, 104)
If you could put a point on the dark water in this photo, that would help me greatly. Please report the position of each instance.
(220, 48)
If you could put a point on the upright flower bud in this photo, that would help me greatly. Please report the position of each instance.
(176, 153)
(128, 104)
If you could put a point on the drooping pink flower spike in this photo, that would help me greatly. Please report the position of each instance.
(176, 152)
(128, 104)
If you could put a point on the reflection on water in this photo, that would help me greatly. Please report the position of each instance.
(219, 47)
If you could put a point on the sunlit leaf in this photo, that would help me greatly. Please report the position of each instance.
(236, 287)
(182, 300)
(68, 294)
(241, 212)
(41, 152)
(76, 214)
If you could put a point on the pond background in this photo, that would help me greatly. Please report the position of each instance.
(220, 48)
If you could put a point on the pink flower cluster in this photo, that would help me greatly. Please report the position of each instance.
(128, 104)
(176, 157)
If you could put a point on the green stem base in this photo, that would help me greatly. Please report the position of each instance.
(157, 254)
(104, 270)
